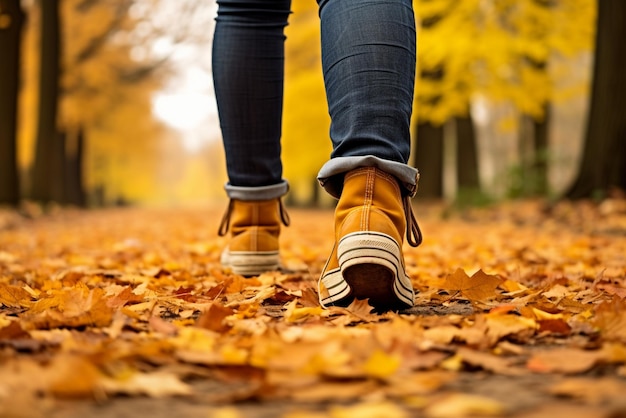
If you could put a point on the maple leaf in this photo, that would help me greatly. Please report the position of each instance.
(480, 287)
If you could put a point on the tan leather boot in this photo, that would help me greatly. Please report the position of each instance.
(255, 227)
(367, 262)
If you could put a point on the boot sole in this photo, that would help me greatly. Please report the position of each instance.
(339, 293)
(251, 263)
(371, 264)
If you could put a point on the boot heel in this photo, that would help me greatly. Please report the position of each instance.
(371, 264)
(251, 263)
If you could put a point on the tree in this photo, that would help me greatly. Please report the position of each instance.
(499, 51)
(43, 177)
(603, 165)
(11, 22)
(467, 177)
(428, 146)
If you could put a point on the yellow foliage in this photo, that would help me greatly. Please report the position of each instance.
(504, 50)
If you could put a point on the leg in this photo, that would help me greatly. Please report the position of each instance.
(248, 72)
(368, 57)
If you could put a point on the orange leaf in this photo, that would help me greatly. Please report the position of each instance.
(479, 287)
(13, 296)
(565, 360)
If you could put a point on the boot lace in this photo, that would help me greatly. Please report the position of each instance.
(413, 231)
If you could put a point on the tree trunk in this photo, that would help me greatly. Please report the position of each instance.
(540, 151)
(74, 186)
(429, 159)
(57, 167)
(533, 152)
(10, 45)
(603, 165)
(467, 154)
(42, 184)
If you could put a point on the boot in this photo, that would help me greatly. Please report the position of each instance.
(255, 227)
(366, 261)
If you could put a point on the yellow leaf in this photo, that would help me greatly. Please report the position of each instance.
(294, 314)
(154, 385)
(381, 365)
(369, 410)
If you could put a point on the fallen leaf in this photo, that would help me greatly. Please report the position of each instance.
(610, 318)
(14, 296)
(213, 318)
(161, 326)
(564, 360)
(369, 410)
(154, 385)
(463, 405)
(490, 362)
(295, 314)
(12, 330)
(594, 391)
(478, 288)
(381, 365)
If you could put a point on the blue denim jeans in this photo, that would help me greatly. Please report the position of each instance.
(368, 59)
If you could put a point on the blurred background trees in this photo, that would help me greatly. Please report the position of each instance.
(110, 101)
(11, 22)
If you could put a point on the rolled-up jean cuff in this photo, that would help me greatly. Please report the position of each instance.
(330, 176)
(257, 193)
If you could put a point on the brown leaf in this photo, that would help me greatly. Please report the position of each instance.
(554, 326)
(12, 331)
(124, 297)
(213, 318)
(309, 298)
(479, 287)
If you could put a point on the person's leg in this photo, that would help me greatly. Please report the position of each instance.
(248, 72)
(368, 58)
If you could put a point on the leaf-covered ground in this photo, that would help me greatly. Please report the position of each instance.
(520, 312)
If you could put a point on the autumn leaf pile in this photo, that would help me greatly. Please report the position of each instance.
(134, 302)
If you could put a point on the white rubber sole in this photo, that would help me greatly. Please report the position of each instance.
(250, 263)
(337, 287)
(371, 264)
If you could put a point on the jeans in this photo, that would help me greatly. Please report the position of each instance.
(368, 60)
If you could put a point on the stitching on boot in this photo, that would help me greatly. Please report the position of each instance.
(370, 178)
(390, 179)
(254, 233)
